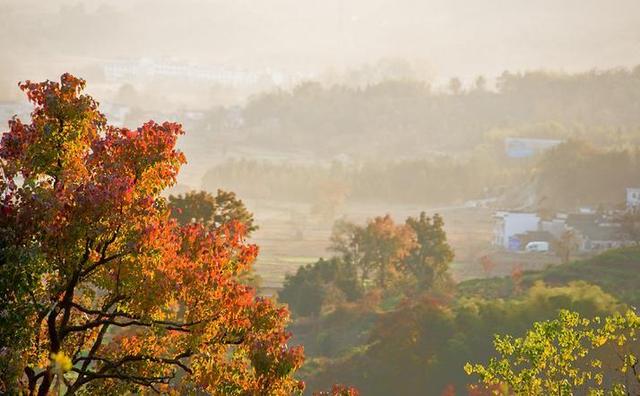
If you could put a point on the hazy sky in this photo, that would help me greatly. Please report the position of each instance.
(446, 37)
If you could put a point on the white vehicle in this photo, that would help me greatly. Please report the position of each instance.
(537, 246)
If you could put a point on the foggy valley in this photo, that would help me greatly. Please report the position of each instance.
(324, 198)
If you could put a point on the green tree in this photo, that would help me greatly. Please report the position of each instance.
(307, 290)
(102, 291)
(577, 173)
(428, 261)
(421, 346)
(346, 240)
(20, 271)
(569, 355)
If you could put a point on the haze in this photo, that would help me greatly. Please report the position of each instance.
(419, 177)
(444, 38)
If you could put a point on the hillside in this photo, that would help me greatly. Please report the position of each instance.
(615, 271)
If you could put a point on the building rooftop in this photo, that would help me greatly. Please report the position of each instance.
(596, 232)
(538, 236)
(583, 219)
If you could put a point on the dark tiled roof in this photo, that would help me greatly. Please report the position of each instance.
(595, 232)
(582, 219)
(541, 236)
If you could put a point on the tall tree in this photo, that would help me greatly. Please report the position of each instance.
(429, 259)
(346, 239)
(119, 297)
(212, 211)
(565, 245)
(385, 245)
(311, 286)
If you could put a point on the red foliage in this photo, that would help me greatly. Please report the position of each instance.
(517, 272)
(487, 264)
(339, 390)
(83, 198)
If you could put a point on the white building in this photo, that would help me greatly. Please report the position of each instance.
(145, 68)
(633, 198)
(510, 224)
(526, 147)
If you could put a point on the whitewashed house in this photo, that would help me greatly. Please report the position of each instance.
(527, 147)
(633, 198)
(510, 224)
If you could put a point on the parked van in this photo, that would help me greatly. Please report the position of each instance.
(537, 246)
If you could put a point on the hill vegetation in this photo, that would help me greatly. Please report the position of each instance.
(615, 271)
(404, 118)
(396, 341)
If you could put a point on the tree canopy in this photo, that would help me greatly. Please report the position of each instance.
(568, 355)
(212, 211)
(103, 292)
(311, 286)
(417, 249)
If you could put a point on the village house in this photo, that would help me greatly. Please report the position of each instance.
(510, 224)
(593, 231)
(633, 198)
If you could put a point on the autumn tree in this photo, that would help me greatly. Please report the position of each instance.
(384, 246)
(103, 292)
(212, 211)
(339, 390)
(429, 258)
(487, 264)
(418, 248)
(565, 245)
(517, 274)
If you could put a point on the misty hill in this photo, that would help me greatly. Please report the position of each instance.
(571, 175)
(403, 118)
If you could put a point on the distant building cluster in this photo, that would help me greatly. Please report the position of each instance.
(633, 198)
(147, 68)
(592, 230)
